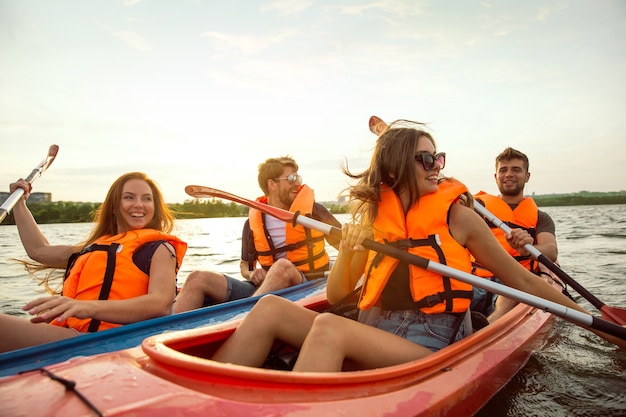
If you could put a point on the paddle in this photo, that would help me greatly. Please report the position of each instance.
(36, 173)
(614, 314)
(566, 313)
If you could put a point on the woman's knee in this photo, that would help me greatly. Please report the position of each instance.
(327, 328)
(269, 310)
(270, 303)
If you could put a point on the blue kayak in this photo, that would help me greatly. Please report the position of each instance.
(132, 335)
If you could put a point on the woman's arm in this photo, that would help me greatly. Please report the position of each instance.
(35, 243)
(156, 303)
(350, 263)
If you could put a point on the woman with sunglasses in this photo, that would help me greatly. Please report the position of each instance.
(399, 199)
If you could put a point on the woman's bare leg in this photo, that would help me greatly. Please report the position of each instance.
(19, 333)
(272, 318)
(333, 338)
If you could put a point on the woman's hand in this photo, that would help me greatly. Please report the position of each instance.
(353, 235)
(350, 263)
(59, 308)
(21, 183)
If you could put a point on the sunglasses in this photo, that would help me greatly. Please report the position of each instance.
(291, 178)
(428, 160)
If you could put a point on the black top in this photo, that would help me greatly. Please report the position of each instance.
(142, 257)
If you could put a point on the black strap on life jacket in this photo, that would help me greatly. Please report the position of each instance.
(272, 251)
(107, 281)
(447, 295)
(309, 241)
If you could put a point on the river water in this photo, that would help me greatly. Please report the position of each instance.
(575, 374)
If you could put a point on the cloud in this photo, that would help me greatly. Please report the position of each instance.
(133, 40)
(246, 44)
(543, 13)
(287, 7)
(130, 3)
(398, 9)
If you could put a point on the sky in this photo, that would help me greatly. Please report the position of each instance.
(200, 92)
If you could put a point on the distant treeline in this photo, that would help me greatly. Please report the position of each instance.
(59, 212)
(583, 198)
(77, 212)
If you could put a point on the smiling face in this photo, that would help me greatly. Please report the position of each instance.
(511, 177)
(405, 160)
(281, 191)
(426, 179)
(136, 208)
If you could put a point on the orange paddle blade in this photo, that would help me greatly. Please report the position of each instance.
(377, 125)
(615, 314)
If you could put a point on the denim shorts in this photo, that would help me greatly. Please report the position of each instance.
(237, 289)
(433, 331)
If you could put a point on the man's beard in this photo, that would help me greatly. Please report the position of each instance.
(285, 198)
(512, 192)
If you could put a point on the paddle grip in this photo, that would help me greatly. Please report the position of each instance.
(608, 327)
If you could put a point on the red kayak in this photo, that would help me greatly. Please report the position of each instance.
(170, 375)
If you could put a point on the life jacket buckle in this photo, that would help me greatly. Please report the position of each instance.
(433, 300)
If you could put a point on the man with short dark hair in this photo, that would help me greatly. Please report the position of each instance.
(528, 224)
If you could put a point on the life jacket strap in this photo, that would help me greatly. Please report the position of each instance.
(107, 282)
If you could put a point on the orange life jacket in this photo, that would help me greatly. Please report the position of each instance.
(110, 259)
(524, 216)
(425, 232)
(305, 248)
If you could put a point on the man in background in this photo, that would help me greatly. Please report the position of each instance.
(528, 224)
(274, 254)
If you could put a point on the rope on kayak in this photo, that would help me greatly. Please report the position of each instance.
(70, 386)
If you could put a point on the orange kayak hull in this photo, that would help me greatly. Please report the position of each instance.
(162, 378)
